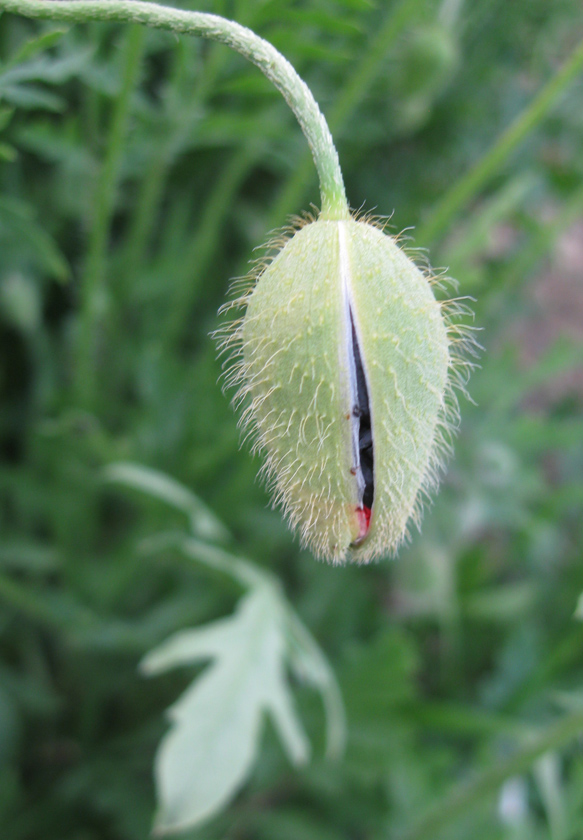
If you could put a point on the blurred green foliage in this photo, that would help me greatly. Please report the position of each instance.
(138, 171)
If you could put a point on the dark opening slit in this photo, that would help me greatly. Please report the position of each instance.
(361, 410)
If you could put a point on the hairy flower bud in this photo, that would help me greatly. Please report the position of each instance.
(343, 364)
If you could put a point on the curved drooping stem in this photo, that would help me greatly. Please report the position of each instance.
(277, 69)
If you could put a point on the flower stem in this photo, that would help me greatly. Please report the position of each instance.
(277, 69)
(352, 93)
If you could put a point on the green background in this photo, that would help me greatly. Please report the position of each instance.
(138, 172)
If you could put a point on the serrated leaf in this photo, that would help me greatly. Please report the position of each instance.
(310, 665)
(208, 753)
(304, 656)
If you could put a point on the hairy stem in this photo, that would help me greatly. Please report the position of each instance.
(200, 253)
(277, 69)
(363, 74)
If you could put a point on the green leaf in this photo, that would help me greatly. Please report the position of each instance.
(305, 657)
(25, 555)
(327, 22)
(311, 666)
(475, 236)
(46, 69)
(30, 97)
(203, 522)
(15, 78)
(20, 301)
(10, 726)
(214, 736)
(6, 115)
(8, 153)
(466, 188)
(37, 44)
(502, 603)
(16, 220)
(547, 772)
(472, 791)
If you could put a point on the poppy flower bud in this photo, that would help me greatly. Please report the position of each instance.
(343, 362)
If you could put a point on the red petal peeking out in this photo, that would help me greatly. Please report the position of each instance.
(363, 515)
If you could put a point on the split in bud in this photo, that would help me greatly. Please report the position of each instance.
(344, 364)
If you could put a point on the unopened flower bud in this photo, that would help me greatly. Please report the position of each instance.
(343, 368)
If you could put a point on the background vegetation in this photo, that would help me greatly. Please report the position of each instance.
(138, 171)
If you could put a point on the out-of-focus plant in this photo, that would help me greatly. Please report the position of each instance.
(459, 665)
